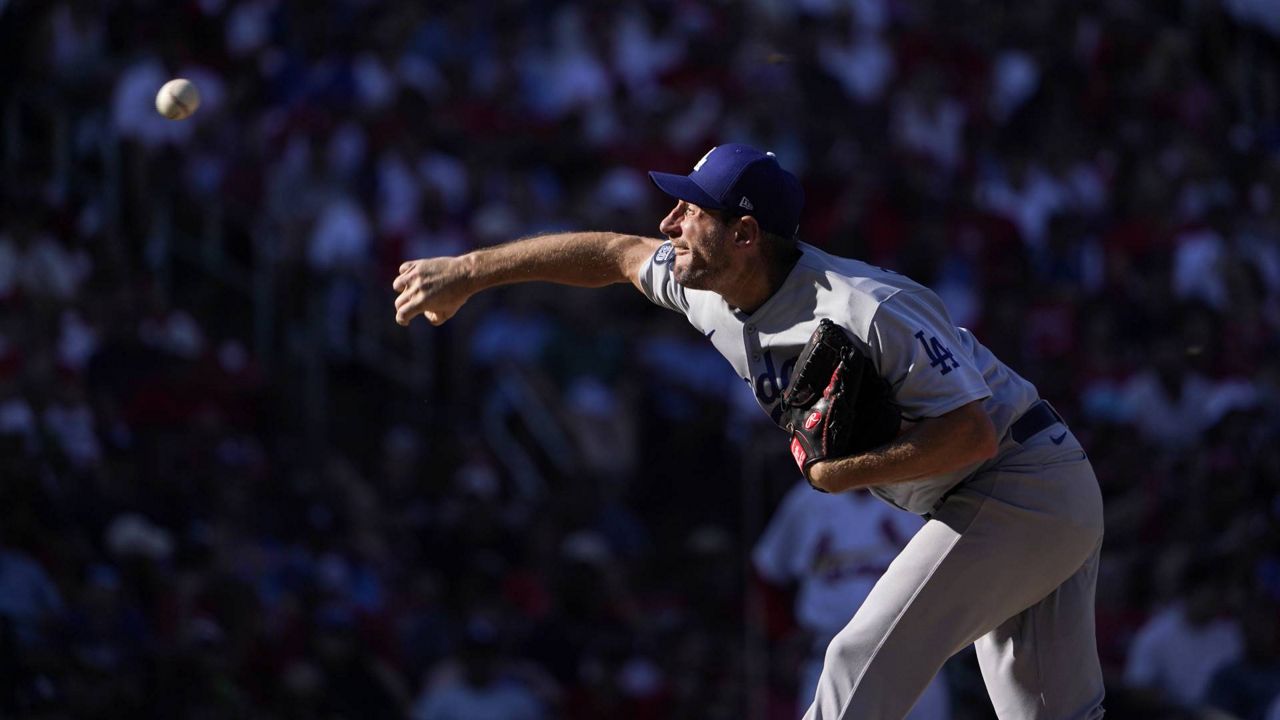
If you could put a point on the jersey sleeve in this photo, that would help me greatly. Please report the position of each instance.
(920, 353)
(658, 282)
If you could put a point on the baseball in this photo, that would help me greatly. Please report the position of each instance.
(177, 99)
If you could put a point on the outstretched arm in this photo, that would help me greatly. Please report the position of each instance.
(437, 287)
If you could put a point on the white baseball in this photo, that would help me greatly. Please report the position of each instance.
(177, 99)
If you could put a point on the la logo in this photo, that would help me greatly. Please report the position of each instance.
(698, 166)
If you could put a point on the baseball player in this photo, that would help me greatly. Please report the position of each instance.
(1008, 557)
(835, 547)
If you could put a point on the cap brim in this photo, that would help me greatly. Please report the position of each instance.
(682, 187)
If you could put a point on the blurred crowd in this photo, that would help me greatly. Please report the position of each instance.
(231, 486)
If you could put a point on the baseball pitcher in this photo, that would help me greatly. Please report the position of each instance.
(876, 388)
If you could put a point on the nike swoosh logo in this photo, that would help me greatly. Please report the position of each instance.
(1058, 440)
(713, 332)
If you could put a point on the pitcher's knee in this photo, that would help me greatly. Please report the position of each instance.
(849, 652)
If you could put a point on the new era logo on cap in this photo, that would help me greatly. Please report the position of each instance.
(740, 178)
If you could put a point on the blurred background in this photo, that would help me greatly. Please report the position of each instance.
(232, 486)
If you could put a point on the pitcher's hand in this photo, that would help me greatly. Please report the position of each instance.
(434, 287)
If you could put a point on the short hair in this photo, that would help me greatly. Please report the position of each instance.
(775, 246)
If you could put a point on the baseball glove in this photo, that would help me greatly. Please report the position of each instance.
(836, 404)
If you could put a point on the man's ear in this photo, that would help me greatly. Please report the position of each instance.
(747, 231)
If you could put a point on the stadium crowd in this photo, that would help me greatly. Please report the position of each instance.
(219, 498)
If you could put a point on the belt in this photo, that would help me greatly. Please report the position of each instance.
(1037, 417)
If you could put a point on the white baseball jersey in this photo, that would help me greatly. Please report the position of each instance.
(932, 366)
(836, 547)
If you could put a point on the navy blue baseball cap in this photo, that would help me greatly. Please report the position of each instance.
(744, 181)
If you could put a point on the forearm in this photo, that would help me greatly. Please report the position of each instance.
(583, 259)
(932, 447)
(437, 287)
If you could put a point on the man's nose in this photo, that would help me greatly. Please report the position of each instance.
(670, 225)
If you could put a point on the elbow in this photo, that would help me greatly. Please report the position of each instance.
(983, 440)
(821, 477)
(972, 435)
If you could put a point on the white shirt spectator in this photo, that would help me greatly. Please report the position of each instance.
(836, 546)
(1015, 76)
(497, 701)
(17, 418)
(248, 27)
(76, 40)
(1197, 266)
(1028, 204)
(71, 423)
(50, 270)
(933, 129)
(639, 54)
(568, 76)
(376, 85)
(341, 236)
(1261, 13)
(1162, 418)
(864, 67)
(175, 332)
(1086, 187)
(448, 176)
(399, 193)
(134, 112)
(346, 150)
(1171, 655)
(28, 597)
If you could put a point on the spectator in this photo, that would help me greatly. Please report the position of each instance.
(1246, 688)
(29, 601)
(476, 687)
(1177, 652)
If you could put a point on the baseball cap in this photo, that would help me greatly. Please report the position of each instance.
(742, 180)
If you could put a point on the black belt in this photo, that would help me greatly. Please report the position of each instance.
(1037, 417)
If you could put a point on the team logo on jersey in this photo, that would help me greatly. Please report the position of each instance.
(940, 356)
(664, 254)
(768, 386)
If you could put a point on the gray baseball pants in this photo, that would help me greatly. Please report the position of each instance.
(1009, 562)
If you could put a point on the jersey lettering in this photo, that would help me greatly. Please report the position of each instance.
(831, 564)
(939, 354)
(666, 252)
(769, 385)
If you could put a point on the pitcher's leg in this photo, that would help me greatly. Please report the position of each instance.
(1042, 664)
(889, 651)
(981, 561)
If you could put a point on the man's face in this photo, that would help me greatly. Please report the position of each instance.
(702, 244)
